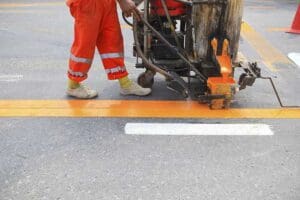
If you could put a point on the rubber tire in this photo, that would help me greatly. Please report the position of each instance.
(146, 79)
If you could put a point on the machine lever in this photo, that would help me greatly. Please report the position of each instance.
(251, 73)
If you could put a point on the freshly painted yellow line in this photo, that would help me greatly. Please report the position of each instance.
(16, 5)
(269, 54)
(133, 108)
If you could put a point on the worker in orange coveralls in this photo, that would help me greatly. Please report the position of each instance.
(97, 25)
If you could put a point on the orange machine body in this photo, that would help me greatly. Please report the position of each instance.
(223, 85)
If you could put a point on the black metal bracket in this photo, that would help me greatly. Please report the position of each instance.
(178, 85)
(181, 54)
(209, 97)
(251, 73)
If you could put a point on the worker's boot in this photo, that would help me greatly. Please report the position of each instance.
(82, 92)
(129, 87)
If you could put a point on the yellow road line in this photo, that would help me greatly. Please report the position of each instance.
(269, 54)
(133, 108)
(16, 5)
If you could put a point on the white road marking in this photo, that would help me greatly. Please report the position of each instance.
(10, 78)
(197, 129)
(295, 57)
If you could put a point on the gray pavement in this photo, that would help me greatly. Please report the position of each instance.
(92, 158)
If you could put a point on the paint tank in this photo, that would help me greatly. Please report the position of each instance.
(206, 17)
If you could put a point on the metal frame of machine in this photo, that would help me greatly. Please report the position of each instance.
(163, 48)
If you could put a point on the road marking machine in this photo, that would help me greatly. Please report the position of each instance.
(193, 41)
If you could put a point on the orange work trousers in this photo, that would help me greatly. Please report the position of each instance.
(96, 25)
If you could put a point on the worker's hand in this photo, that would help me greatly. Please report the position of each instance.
(137, 14)
(128, 7)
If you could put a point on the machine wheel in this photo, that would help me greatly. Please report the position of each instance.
(146, 79)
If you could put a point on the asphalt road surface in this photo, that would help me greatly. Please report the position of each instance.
(54, 147)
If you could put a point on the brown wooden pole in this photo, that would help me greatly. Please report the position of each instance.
(233, 23)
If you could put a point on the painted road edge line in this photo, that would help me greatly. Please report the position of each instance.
(270, 55)
(185, 129)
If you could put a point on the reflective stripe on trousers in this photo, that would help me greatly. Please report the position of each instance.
(112, 55)
(115, 70)
(80, 60)
(76, 74)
